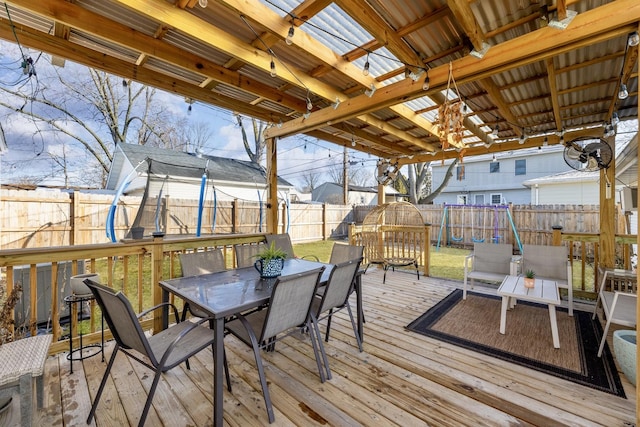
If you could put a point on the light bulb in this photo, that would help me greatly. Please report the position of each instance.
(495, 131)
(273, 69)
(203, 3)
(365, 70)
(289, 40)
(309, 104)
(623, 93)
(425, 85)
(634, 39)
(353, 142)
(615, 119)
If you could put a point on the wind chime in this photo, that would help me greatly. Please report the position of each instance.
(450, 117)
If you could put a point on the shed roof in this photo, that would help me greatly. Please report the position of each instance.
(218, 168)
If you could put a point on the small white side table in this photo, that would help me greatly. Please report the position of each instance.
(544, 291)
(21, 362)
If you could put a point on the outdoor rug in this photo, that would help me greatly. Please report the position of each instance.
(474, 324)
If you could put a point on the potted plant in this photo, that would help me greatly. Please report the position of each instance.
(529, 279)
(270, 261)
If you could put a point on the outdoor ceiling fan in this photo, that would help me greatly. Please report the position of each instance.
(588, 154)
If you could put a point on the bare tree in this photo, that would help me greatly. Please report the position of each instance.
(254, 150)
(418, 182)
(311, 180)
(196, 136)
(89, 109)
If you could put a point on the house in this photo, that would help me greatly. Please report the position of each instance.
(571, 187)
(179, 175)
(331, 192)
(497, 178)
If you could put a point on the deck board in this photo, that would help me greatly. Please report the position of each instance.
(401, 378)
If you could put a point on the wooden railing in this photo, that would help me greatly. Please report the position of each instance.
(584, 250)
(135, 267)
(394, 241)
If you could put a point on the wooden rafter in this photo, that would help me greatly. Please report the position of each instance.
(553, 93)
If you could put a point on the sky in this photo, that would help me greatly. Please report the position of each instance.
(31, 153)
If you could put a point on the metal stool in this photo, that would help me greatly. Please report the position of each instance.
(80, 300)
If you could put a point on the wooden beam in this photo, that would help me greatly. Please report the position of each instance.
(92, 23)
(596, 25)
(467, 20)
(553, 93)
(494, 93)
(90, 58)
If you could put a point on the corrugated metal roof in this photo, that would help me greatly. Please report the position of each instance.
(544, 81)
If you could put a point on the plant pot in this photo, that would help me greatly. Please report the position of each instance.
(269, 269)
(77, 283)
(624, 347)
(529, 282)
(137, 233)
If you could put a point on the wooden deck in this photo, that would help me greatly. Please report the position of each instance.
(401, 378)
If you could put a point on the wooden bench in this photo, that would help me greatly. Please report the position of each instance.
(21, 362)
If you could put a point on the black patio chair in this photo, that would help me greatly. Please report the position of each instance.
(159, 352)
(335, 298)
(288, 312)
(283, 241)
(196, 263)
(246, 254)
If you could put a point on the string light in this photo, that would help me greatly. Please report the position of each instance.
(273, 72)
(495, 131)
(634, 39)
(425, 84)
(615, 119)
(623, 93)
(289, 39)
(365, 70)
(203, 3)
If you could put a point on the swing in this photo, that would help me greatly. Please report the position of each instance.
(473, 237)
(459, 239)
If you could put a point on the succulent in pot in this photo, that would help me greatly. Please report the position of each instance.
(270, 261)
(529, 279)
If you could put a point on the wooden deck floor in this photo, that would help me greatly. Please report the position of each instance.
(401, 378)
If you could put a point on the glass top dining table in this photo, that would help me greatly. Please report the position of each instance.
(228, 292)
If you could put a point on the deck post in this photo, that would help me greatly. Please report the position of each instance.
(272, 186)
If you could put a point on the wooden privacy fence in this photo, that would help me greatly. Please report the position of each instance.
(30, 219)
(53, 218)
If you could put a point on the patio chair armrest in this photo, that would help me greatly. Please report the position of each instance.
(515, 264)
(175, 310)
(466, 260)
(183, 333)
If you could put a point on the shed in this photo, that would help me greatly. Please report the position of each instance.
(233, 179)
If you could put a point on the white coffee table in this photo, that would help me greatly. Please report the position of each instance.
(544, 292)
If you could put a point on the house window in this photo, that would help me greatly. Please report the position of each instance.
(462, 199)
(521, 167)
(478, 199)
(494, 167)
(460, 172)
(496, 199)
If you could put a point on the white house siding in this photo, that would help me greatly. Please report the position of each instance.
(479, 181)
(579, 193)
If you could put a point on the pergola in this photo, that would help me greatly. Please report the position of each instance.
(528, 73)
